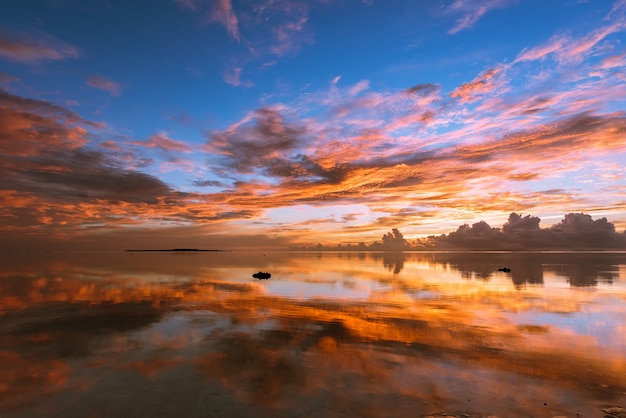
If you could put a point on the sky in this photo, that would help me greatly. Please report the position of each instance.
(231, 124)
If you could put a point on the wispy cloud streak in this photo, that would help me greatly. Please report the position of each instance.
(112, 87)
(224, 14)
(471, 11)
(31, 50)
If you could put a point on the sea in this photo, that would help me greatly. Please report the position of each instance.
(329, 334)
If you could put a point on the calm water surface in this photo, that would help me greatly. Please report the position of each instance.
(338, 335)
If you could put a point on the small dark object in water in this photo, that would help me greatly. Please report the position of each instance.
(505, 269)
(262, 275)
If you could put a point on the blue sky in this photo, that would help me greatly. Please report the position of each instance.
(306, 121)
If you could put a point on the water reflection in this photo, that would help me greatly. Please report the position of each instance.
(579, 269)
(328, 335)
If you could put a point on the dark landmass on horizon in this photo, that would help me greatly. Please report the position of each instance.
(575, 232)
(176, 250)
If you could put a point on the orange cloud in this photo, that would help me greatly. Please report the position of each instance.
(485, 83)
(162, 141)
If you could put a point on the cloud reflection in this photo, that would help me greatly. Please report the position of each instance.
(201, 324)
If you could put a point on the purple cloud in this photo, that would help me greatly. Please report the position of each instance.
(7, 78)
(223, 13)
(232, 76)
(101, 83)
(29, 50)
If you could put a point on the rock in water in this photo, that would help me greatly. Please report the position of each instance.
(262, 275)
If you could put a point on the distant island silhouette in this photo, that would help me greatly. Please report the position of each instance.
(176, 250)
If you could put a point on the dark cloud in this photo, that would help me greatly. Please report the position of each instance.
(50, 177)
(479, 235)
(208, 183)
(392, 241)
(268, 143)
(44, 152)
(577, 231)
(580, 230)
(423, 89)
(90, 177)
(581, 132)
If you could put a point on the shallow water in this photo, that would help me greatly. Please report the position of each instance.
(330, 334)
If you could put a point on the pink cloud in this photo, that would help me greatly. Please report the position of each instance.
(566, 50)
(468, 20)
(542, 51)
(232, 76)
(290, 37)
(614, 61)
(29, 50)
(223, 13)
(483, 84)
(101, 83)
(472, 11)
(618, 6)
(576, 51)
(293, 30)
(162, 141)
(359, 87)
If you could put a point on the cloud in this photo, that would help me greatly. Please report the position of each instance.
(46, 159)
(7, 78)
(24, 122)
(540, 52)
(186, 4)
(290, 36)
(485, 83)
(580, 133)
(232, 76)
(468, 20)
(221, 12)
(618, 6)
(471, 11)
(224, 14)
(208, 183)
(101, 83)
(162, 141)
(290, 29)
(566, 50)
(485, 146)
(264, 141)
(574, 231)
(577, 50)
(423, 89)
(356, 157)
(359, 87)
(29, 50)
